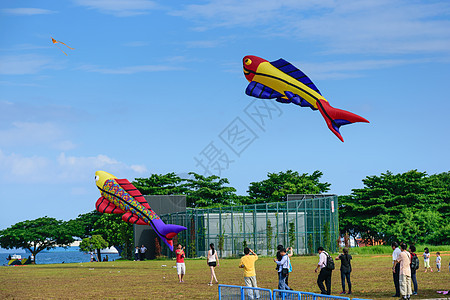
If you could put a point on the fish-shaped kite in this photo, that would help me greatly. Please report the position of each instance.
(283, 82)
(119, 196)
(56, 42)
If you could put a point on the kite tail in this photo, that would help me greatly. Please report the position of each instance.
(335, 117)
(167, 231)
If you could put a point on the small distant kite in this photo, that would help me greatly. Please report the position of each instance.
(56, 42)
(283, 82)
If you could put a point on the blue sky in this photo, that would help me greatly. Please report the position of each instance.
(157, 87)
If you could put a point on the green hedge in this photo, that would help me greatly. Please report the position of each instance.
(388, 249)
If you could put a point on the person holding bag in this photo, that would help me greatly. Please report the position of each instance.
(283, 269)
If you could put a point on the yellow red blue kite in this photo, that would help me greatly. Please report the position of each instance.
(283, 82)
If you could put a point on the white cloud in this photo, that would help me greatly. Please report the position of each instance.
(30, 134)
(17, 168)
(372, 28)
(129, 70)
(55, 115)
(27, 11)
(219, 13)
(24, 64)
(349, 69)
(78, 167)
(120, 8)
(368, 26)
(139, 169)
(23, 47)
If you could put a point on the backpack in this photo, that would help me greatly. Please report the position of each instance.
(414, 262)
(330, 263)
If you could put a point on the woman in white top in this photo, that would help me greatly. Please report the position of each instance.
(213, 261)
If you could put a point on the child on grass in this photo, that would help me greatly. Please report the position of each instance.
(426, 260)
(438, 261)
(181, 267)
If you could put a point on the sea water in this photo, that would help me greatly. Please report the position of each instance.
(57, 256)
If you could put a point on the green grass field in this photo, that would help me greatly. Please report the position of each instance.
(371, 278)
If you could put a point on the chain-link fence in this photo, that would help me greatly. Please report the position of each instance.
(301, 222)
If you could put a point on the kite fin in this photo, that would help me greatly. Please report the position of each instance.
(133, 219)
(335, 117)
(291, 70)
(261, 91)
(167, 231)
(296, 99)
(104, 206)
(134, 192)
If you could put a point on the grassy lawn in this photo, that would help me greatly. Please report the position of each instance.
(371, 278)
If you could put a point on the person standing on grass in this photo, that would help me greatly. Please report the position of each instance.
(325, 273)
(136, 253)
(143, 250)
(396, 272)
(289, 253)
(404, 260)
(283, 269)
(213, 261)
(248, 264)
(181, 267)
(438, 261)
(412, 250)
(426, 260)
(346, 269)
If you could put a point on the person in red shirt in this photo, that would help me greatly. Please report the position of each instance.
(181, 267)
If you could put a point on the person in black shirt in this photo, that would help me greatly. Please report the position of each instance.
(346, 269)
(412, 250)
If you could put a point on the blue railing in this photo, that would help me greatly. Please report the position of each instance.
(235, 292)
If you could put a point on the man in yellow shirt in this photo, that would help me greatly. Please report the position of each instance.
(248, 264)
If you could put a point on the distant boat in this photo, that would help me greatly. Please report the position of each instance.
(110, 250)
(17, 260)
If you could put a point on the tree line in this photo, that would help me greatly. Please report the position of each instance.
(413, 207)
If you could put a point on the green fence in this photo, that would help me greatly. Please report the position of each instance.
(303, 223)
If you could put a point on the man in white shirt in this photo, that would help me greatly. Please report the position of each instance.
(404, 261)
(325, 274)
(396, 270)
(143, 250)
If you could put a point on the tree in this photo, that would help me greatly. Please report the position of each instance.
(269, 235)
(95, 242)
(406, 207)
(116, 232)
(200, 191)
(83, 225)
(110, 226)
(326, 239)
(292, 234)
(207, 191)
(36, 235)
(279, 185)
(169, 184)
